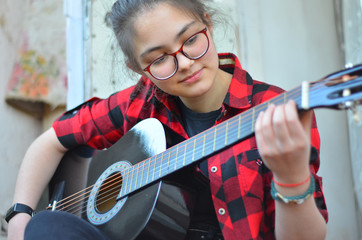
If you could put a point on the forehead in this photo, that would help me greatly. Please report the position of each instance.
(160, 25)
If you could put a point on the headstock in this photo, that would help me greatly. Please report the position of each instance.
(339, 90)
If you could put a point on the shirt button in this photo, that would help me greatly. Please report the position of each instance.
(221, 211)
(259, 162)
(213, 169)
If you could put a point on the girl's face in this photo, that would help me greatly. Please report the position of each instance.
(162, 30)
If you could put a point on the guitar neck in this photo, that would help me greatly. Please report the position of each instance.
(205, 144)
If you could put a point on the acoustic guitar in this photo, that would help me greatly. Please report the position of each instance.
(128, 195)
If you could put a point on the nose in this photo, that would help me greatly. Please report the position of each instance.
(183, 62)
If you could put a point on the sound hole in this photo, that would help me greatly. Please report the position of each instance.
(108, 192)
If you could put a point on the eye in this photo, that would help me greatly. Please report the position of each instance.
(191, 40)
(160, 60)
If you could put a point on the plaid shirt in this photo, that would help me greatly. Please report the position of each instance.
(240, 183)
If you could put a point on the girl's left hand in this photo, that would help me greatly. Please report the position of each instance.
(283, 141)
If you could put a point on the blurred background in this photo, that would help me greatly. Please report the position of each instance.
(56, 54)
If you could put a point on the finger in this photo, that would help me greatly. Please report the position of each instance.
(259, 130)
(292, 116)
(267, 131)
(267, 123)
(281, 128)
(298, 128)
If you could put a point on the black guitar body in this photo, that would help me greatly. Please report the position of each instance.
(159, 211)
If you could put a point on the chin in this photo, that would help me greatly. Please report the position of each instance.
(197, 90)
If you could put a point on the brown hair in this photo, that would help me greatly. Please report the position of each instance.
(125, 12)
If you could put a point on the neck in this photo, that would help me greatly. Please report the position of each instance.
(214, 98)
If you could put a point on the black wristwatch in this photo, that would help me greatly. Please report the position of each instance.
(18, 208)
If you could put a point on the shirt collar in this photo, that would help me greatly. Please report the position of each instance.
(240, 90)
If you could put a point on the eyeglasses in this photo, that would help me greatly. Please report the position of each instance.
(193, 48)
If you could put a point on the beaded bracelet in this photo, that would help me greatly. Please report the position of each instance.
(295, 199)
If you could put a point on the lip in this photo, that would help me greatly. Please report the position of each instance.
(192, 78)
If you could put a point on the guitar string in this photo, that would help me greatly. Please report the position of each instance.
(106, 196)
(247, 115)
(195, 140)
(135, 169)
(120, 182)
(108, 182)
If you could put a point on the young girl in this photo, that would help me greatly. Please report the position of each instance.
(252, 187)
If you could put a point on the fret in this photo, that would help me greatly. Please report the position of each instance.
(187, 155)
(214, 146)
(226, 133)
(184, 158)
(233, 134)
(125, 181)
(193, 151)
(154, 168)
(145, 172)
(220, 138)
(198, 149)
(203, 145)
(142, 171)
(130, 180)
(253, 120)
(168, 161)
(164, 170)
(148, 169)
(136, 171)
(160, 171)
(176, 158)
(239, 126)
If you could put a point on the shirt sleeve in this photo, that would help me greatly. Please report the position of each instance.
(97, 123)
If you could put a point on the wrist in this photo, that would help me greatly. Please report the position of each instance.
(20, 218)
(19, 208)
(292, 178)
(293, 195)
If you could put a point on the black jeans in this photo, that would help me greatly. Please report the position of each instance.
(66, 226)
(204, 232)
(61, 226)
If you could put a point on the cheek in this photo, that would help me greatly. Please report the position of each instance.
(211, 57)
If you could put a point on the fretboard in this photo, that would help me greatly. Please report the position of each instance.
(202, 145)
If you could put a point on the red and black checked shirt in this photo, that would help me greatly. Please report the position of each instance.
(240, 183)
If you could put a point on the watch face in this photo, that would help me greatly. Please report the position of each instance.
(10, 213)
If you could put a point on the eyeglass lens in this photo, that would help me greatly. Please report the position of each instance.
(193, 48)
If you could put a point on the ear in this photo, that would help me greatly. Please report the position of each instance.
(209, 22)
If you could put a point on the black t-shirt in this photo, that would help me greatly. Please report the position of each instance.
(204, 214)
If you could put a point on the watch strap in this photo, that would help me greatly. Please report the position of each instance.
(18, 208)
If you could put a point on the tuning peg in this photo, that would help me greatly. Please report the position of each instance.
(356, 113)
(348, 65)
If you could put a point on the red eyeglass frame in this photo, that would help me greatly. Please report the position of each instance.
(204, 31)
